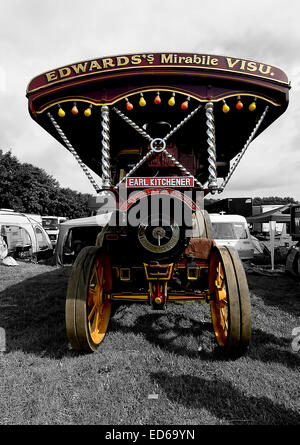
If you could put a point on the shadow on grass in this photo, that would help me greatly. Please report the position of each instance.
(178, 333)
(266, 347)
(167, 330)
(224, 401)
(33, 314)
(173, 332)
(278, 291)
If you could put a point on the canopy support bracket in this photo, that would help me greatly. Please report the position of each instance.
(73, 152)
(242, 152)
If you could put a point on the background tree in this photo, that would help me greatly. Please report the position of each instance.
(29, 189)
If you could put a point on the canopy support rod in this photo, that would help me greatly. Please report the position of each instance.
(211, 140)
(73, 152)
(133, 124)
(242, 152)
(150, 139)
(105, 163)
(136, 167)
(187, 118)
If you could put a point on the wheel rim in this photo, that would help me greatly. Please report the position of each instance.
(98, 307)
(219, 305)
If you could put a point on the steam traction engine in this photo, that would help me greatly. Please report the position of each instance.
(162, 131)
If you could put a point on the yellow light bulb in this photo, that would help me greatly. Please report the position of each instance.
(225, 108)
(87, 112)
(252, 106)
(61, 112)
(142, 102)
(171, 101)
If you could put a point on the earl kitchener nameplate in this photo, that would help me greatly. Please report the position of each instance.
(173, 181)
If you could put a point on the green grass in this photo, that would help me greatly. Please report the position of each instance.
(172, 354)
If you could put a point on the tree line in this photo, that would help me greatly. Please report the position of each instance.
(29, 189)
(268, 200)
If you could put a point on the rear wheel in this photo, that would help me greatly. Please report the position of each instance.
(202, 227)
(230, 300)
(87, 305)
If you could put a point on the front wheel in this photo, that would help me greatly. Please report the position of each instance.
(229, 300)
(87, 305)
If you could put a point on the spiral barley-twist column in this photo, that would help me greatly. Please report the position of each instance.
(212, 157)
(106, 175)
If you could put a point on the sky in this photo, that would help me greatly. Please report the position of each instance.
(39, 35)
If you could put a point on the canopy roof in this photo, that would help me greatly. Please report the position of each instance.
(193, 79)
(272, 215)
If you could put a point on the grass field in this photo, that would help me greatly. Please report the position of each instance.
(171, 356)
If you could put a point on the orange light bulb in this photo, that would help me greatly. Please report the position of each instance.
(239, 105)
(185, 105)
(74, 110)
(157, 99)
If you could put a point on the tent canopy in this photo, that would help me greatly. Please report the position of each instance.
(273, 215)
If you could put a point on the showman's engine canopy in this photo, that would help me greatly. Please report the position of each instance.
(166, 128)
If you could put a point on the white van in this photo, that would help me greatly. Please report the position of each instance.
(232, 230)
(51, 225)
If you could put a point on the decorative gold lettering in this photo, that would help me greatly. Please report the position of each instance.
(181, 59)
(51, 76)
(266, 71)
(230, 63)
(64, 72)
(108, 62)
(136, 59)
(166, 58)
(214, 61)
(196, 59)
(94, 64)
(150, 58)
(188, 60)
(122, 60)
(79, 67)
(243, 63)
(251, 66)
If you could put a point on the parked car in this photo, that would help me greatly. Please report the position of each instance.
(24, 236)
(75, 234)
(232, 230)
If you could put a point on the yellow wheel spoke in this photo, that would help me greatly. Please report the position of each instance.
(225, 320)
(95, 325)
(91, 313)
(99, 275)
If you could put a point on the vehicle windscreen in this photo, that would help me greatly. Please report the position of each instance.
(229, 230)
(50, 223)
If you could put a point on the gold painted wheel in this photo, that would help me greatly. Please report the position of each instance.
(230, 300)
(87, 305)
